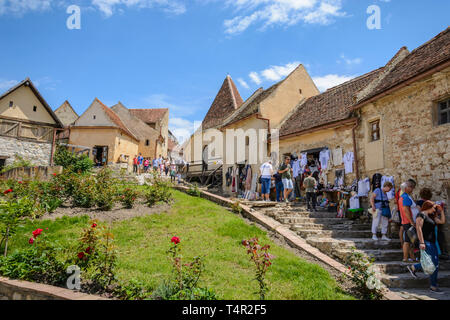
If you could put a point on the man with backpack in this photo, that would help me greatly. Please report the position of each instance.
(310, 185)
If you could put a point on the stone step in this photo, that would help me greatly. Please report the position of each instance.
(305, 219)
(305, 233)
(338, 227)
(422, 294)
(392, 267)
(405, 280)
(378, 255)
(327, 245)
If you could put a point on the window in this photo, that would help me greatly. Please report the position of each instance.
(247, 140)
(444, 112)
(11, 104)
(94, 117)
(34, 108)
(374, 130)
(147, 142)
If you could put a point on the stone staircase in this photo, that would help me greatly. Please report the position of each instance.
(336, 237)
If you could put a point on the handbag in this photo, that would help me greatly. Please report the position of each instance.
(412, 234)
(427, 263)
(385, 210)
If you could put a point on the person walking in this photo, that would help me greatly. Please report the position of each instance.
(155, 165)
(266, 171)
(310, 185)
(430, 216)
(279, 186)
(380, 203)
(408, 211)
(140, 163)
(286, 176)
(146, 164)
(135, 164)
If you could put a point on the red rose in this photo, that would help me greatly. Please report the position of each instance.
(20, 182)
(8, 191)
(54, 174)
(94, 225)
(175, 240)
(31, 241)
(88, 250)
(37, 232)
(81, 255)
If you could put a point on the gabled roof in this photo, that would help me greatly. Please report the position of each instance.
(252, 107)
(149, 115)
(28, 83)
(136, 126)
(116, 119)
(432, 54)
(331, 106)
(225, 103)
(67, 103)
(74, 113)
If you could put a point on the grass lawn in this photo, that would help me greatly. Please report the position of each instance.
(205, 229)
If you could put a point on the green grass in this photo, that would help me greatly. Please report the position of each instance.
(205, 229)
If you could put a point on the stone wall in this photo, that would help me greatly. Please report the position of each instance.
(24, 290)
(39, 153)
(331, 138)
(41, 173)
(412, 144)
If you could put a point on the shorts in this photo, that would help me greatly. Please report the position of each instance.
(265, 185)
(287, 184)
(405, 234)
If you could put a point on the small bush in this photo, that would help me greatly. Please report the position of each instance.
(84, 190)
(72, 162)
(133, 290)
(105, 190)
(159, 191)
(128, 197)
(194, 191)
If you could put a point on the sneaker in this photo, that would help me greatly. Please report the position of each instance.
(437, 290)
(374, 238)
(413, 272)
(384, 238)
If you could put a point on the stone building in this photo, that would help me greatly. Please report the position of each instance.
(158, 119)
(264, 110)
(325, 121)
(67, 115)
(149, 138)
(404, 128)
(28, 126)
(102, 131)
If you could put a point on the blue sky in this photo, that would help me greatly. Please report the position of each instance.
(175, 53)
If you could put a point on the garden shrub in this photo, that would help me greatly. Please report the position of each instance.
(132, 290)
(128, 197)
(183, 283)
(72, 162)
(38, 263)
(106, 190)
(84, 190)
(194, 191)
(159, 191)
(363, 275)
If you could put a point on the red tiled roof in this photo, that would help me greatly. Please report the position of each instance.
(226, 102)
(149, 115)
(429, 55)
(328, 107)
(116, 119)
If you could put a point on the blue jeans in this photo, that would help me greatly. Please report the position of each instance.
(265, 185)
(280, 188)
(431, 249)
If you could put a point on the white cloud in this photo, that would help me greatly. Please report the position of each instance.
(19, 7)
(182, 129)
(349, 61)
(330, 80)
(243, 83)
(281, 12)
(255, 77)
(106, 7)
(276, 73)
(7, 84)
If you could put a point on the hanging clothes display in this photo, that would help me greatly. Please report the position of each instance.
(376, 181)
(324, 157)
(248, 178)
(354, 202)
(348, 162)
(296, 168)
(390, 194)
(363, 187)
(337, 156)
(303, 160)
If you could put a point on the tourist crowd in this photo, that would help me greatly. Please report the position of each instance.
(160, 165)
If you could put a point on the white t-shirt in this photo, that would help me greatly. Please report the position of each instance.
(266, 170)
(348, 162)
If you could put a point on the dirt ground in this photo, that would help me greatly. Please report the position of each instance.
(116, 214)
